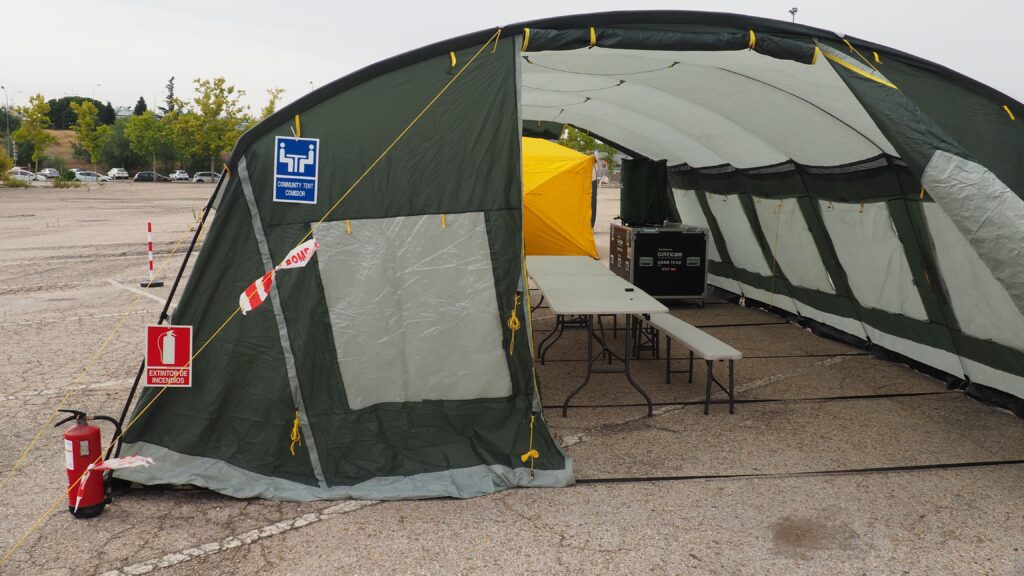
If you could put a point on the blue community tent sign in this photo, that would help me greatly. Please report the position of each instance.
(295, 169)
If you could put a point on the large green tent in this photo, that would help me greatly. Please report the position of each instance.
(867, 191)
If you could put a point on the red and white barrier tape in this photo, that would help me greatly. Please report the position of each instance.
(112, 464)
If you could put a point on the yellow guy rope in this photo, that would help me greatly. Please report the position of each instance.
(1009, 112)
(857, 52)
(298, 126)
(85, 370)
(312, 229)
(113, 441)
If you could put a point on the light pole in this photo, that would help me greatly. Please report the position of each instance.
(792, 12)
(7, 116)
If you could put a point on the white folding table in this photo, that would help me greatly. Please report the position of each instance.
(590, 295)
(566, 266)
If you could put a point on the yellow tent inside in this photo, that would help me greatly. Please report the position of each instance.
(556, 200)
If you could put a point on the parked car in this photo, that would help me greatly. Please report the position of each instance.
(150, 177)
(209, 177)
(90, 176)
(19, 174)
(179, 176)
(118, 173)
(48, 173)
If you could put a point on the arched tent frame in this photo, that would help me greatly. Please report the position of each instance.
(823, 215)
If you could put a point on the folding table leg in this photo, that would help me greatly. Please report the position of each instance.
(707, 398)
(668, 360)
(590, 365)
(689, 377)
(629, 377)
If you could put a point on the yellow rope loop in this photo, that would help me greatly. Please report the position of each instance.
(227, 170)
(444, 222)
(1009, 112)
(296, 436)
(922, 192)
(348, 226)
(530, 454)
(593, 37)
(452, 56)
(753, 40)
(298, 127)
(514, 325)
(877, 59)
(496, 40)
(526, 39)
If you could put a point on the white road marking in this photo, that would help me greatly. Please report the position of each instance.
(72, 318)
(244, 539)
(54, 285)
(68, 260)
(138, 291)
(761, 382)
(49, 391)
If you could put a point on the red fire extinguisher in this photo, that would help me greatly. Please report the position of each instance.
(82, 447)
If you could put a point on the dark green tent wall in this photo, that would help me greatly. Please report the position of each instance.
(847, 183)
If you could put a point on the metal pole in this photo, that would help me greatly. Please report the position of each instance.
(163, 313)
(7, 116)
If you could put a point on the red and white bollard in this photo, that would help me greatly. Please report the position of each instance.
(152, 282)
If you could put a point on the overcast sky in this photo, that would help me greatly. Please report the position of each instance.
(124, 49)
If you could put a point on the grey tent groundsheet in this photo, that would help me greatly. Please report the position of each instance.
(842, 181)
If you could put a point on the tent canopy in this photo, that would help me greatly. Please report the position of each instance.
(854, 185)
(556, 200)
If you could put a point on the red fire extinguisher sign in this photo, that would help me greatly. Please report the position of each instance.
(168, 356)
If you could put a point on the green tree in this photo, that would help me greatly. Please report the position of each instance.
(89, 136)
(61, 115)
(107, 115)
(274, 96)
(220, 117)
(117, 150)
(582, 142)
(35, 120)
(171, 101)
(5, 162)
(140, 107)
(145, 134)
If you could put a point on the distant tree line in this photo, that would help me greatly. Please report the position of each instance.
(192, 134)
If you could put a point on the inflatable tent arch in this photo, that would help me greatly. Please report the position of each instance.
(843, 181)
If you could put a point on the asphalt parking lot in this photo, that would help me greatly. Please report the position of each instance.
(798, 481)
